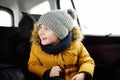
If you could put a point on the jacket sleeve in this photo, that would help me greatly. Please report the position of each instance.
(85, 61)
(34, 64)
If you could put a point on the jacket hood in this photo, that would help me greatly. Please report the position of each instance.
(76, 34)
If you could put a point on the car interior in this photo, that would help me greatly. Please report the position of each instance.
(15, 41)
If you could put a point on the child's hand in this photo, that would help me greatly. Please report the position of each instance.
(80, 76)
(55, 71)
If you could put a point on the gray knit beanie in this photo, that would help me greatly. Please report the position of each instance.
(60, 22)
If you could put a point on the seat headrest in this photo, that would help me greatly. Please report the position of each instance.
(26, 25)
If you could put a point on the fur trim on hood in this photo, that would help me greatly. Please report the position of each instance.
(76, 34)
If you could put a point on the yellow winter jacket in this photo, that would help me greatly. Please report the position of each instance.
(73, 60)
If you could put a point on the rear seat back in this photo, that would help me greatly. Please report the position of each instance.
(105, 51)
(15, 45)
(7, 45)
(23, 46)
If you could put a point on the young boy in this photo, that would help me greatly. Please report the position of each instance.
(57, 52)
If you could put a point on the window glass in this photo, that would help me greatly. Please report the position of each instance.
(5, 19)
(99, 17)
(66, 4)
(41, 8)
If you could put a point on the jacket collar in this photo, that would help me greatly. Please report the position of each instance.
(63, 45)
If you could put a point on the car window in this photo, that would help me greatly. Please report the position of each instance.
(96, 17)
(67, 4)
(40, 8)
(99, 17)
(5, 18)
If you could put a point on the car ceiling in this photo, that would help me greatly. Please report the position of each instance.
(27, 4)
(23, 4)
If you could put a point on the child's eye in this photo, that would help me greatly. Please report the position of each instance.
(46, 28)
(39, 27)
(43, 28)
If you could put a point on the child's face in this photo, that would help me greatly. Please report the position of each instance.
(47, 36)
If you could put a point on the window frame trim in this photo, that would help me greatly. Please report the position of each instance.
(10, 12)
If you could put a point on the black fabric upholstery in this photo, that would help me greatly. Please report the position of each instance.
(23, 46)
(25, 26)
(7, 45)
(15, 45)
(106, 53)
(24, 33)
